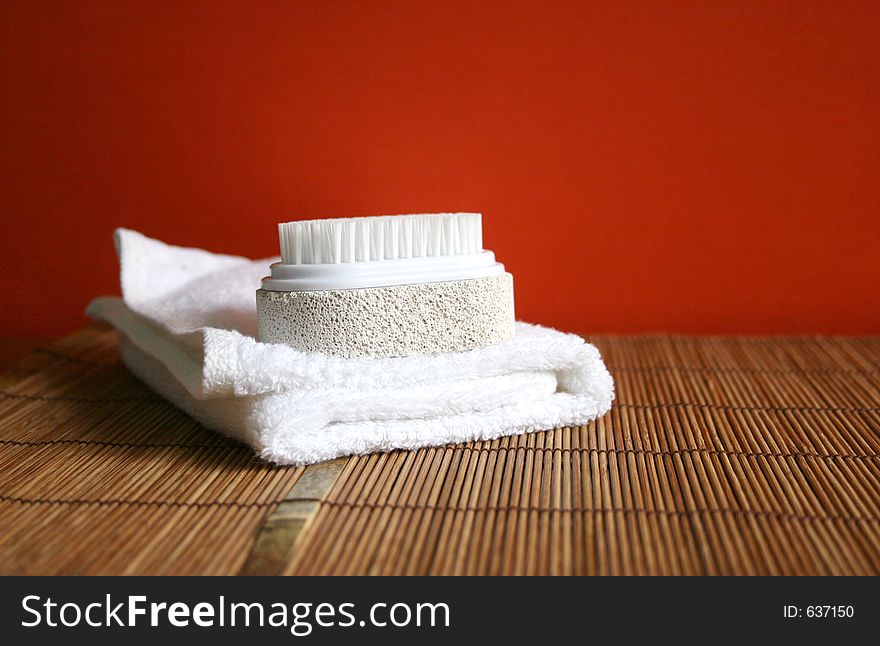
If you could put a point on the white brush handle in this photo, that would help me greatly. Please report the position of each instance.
(381, 273)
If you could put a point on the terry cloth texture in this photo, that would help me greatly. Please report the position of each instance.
(188, 321)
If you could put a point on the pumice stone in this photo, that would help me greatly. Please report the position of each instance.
(388, 286)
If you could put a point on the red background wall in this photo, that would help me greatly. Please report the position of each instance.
(692, 167)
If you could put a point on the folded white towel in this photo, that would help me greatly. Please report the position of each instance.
(188, 319)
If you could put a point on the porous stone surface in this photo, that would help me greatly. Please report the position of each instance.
(396, 321)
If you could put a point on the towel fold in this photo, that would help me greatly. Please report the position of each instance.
(187, 321)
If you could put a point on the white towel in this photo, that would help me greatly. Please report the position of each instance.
(187, 321)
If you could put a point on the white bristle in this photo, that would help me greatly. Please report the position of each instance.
(390, 237)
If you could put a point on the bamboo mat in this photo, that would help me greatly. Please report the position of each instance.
(720, 456)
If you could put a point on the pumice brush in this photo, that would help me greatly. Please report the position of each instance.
(386, 286)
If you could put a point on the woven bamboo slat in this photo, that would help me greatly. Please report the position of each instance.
(720, 456)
